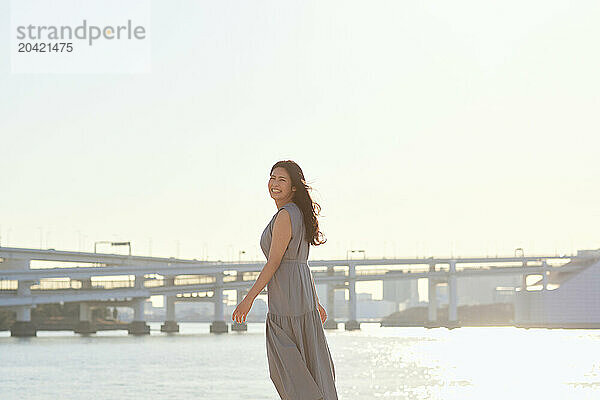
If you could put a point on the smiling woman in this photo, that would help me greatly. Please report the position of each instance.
(300, 363)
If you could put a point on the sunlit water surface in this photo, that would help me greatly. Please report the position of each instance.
(373, 362)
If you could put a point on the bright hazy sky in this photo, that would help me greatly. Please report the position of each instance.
(426, 128)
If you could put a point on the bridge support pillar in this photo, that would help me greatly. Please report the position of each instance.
(23, 329)
(85, 324)
(524, 278)
(138, 326)
(235, 326)
(170, 325)
(23, 326)
(352, 323)
(452, 297)
(413, 300)
(219, 325)
(545, 275)
(432, 299)
(239, 327)
(330, 322)
(86, 283)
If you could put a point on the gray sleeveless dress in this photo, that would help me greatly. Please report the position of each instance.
(300, 364)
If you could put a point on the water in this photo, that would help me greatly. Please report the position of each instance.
(374, 362)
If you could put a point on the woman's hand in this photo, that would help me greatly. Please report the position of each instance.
(323, 313)
(241, 311)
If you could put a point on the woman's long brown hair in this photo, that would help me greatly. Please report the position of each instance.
(310, 209)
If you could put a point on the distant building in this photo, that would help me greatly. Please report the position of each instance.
(199, 311)
(486, 289)
(470, 290)
(366, 307)
(404, 292)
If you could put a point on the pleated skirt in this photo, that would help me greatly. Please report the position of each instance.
(300, 363)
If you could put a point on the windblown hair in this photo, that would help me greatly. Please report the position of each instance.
(310, 209)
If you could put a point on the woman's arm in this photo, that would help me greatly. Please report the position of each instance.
(321, 309)
(315, 286)
(282, 234)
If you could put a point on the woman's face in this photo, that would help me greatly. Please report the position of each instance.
(280, 185)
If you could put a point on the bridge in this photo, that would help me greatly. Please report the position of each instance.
(29, 277)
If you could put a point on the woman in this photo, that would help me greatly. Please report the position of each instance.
(300, 364)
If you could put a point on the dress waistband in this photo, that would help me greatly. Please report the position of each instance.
(295, 259)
